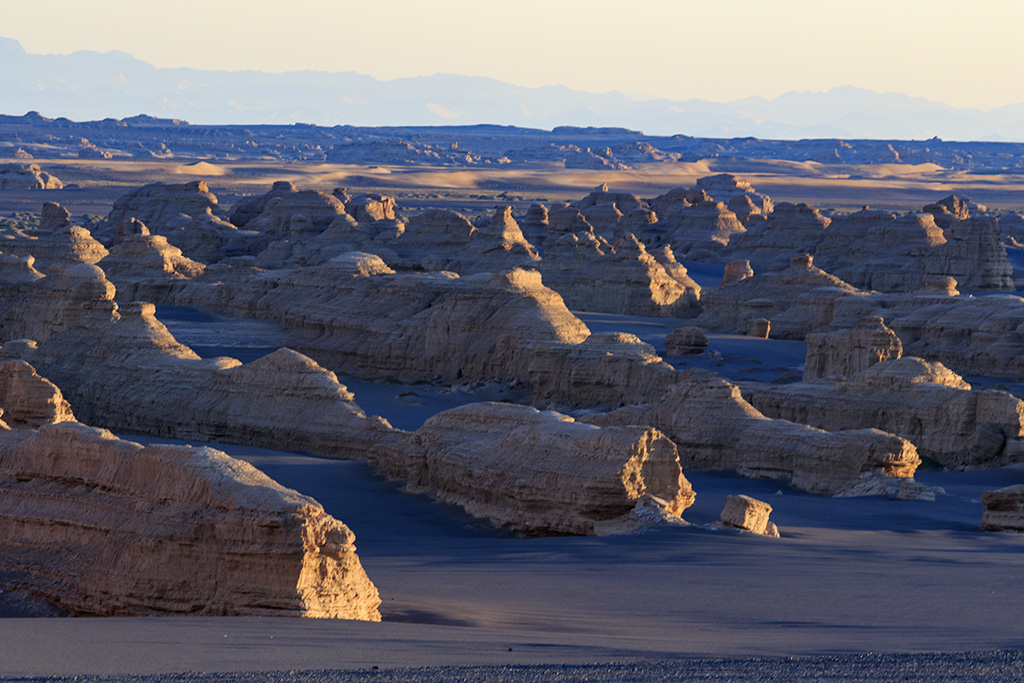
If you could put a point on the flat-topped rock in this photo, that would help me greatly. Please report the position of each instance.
(715, 428)
(1003, 509)
(106, 527)
(749, 514)
(542, 472)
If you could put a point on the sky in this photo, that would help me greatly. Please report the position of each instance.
(676, 49)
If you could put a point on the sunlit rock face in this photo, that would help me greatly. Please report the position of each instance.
(541, 472)
(102, 526)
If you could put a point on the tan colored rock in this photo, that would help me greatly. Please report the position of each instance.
(623, 279)
(685, 341)
(145, 267)
(120, 368)
(797, 301)
(840, 354)
(162, 207)
(733, 190)
(27, 177)
(56, 241)
(749, 514)
(1004, 509)
(28, 400)
(715, 428)
(542, 472)
(535, 223)
(249, 208)
(102, 526)
(790, 230)
(371, 207)
(702, 226)
(759, 327)
(737, 270)
(922, 402)
(446, 240)
(297, 214)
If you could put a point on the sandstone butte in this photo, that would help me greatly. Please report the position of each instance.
(158, 529)
(715, 428)
(857, 378)
(541, 472)
(1003, 509)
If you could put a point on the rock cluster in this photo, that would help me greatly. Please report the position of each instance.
(27, 177)
(796, 301)
(715, 428)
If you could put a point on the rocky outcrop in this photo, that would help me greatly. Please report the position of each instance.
(162, 207)
(737, 193)
(27, 177)
(145, 267)
(120, 368)
(837, 355)
(543, 472)
(923, 402)
(685, 341)
(28, 400)
(715, 428)
(1004, 509)
(102, 526)
(790, 230)
(445, 240)
(592, 275)
(797, 301)
(736, 270)
(55, 241)
(898, 253)
(371, 322)
(749, 514)
(706, 226)
(248, 208)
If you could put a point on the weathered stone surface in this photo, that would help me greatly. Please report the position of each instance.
(737, 270)
(759, 328)
(145, 267)
(248, 208)
(790, 230)
(749, 514)
(839, 354)
(27, 177)
(295, 214)
(446, 240)
(948, 210)
(733, 190)
(120, 368)
(922, 402)
(55, 242)
(28, 400)
(366, 208)
(162, 207)
(102, 526)
(705, 225)
(1003, 509)
(685, 341)
(592, 275)
(715, 428)
(797, 301)
(542, 472)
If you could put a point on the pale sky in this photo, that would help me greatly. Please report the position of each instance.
(964, 53)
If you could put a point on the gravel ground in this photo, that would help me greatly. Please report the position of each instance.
(988, 666)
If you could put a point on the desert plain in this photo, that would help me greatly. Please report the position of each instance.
(662, 412)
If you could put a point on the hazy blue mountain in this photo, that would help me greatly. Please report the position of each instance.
(90, 85)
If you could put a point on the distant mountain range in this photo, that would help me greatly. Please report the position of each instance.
(90, 85)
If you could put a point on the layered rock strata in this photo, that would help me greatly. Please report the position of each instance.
(715, 428)
(749, 514)
(543, 472)
(797, 301)
(923, 402)
(102, 526)
(625, 279)
(1004, 509)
